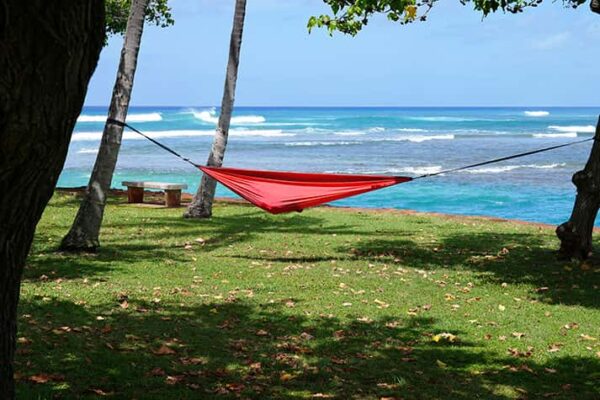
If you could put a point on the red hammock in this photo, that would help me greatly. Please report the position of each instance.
(279, 192)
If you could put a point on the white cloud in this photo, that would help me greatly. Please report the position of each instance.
(552, 42)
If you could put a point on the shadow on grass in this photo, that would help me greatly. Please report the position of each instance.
(238, 349)
(498, 257)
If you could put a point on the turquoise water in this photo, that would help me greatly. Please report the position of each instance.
(394, 141)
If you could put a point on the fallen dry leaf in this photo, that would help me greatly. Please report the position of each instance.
(444, 337)
(163, 351)
(45, 378)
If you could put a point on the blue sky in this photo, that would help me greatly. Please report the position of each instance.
(547, 56)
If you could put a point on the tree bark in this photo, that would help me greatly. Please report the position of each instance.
(201, 206)
(85, 231)
(48, 53)
(576, 234)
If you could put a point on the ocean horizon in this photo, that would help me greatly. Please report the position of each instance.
(408, 141)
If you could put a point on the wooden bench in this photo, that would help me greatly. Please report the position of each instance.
(135, 191)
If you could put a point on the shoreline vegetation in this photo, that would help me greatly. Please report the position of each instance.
(330, 303)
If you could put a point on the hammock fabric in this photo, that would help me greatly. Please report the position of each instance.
(279, 192)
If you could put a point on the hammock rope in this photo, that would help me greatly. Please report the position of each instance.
(279, 192)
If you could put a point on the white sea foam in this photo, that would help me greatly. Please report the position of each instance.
(506, 168)
(432, 169)
(315, 143)
(210, 116)
(555, 135)
(88, 151)
(573, 128)
(350, 133)
(149, 117)
(88, 136)
(376, 129)
(444, 119)
(263, 133)
(412, 130)
(422, 138)
(536, 113)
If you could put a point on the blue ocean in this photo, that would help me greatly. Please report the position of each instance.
(393, 141)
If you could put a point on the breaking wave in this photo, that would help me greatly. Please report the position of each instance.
(211, 116)
(422, 138)
(88, 136)
(554, 135)
(88, 151)
(574, 128)
(536, 113)
(506, 168)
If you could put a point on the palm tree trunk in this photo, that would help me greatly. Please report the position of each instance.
(576, 234)
(85, 231)
(47, 57)
(201, 206)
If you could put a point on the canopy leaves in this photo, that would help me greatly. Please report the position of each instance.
(350, 16)
(158, 13)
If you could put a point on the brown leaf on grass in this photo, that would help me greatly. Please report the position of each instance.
(339, 334)
(100, 392)
(338, 360)
(444, 337)
(45, 378)
(235, 387)
(572, 325)
(285, 376)
(106, 329)
(124, 304)
(554, 347)
(255, 367)
(587, 337)
(227, 324)
(193, 361)
(381, 304)
(163, 351)
(290, 304)
(24, 341)
(261, 332)
(518, 335)
(518, 353)
(157, 372)
(174, 379)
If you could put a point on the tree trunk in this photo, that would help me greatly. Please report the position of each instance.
(201, 206)
(595, 6)
(576, 234)
(47, 56)
(85, 231)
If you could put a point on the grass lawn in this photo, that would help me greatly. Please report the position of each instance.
(323, 304)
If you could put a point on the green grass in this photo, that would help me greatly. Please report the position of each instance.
(324, 304)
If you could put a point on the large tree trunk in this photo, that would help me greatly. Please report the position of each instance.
(201, 206)
(47, 55)
(576, 234)
(85, 231)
